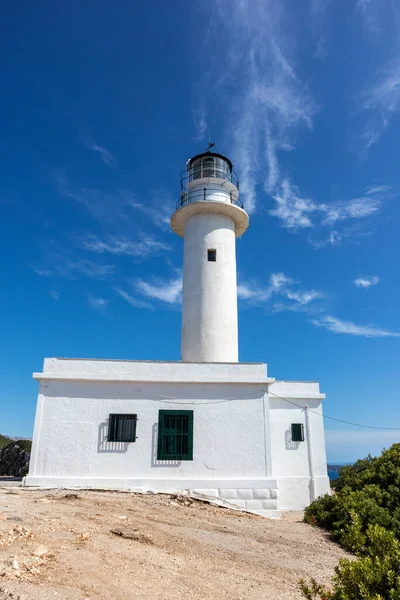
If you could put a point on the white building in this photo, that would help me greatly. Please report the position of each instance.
(207, 423)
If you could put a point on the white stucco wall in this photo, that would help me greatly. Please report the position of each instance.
(242, 453)
(209, 301)
(91, 369)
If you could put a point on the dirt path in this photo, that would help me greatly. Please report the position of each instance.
(60, 545)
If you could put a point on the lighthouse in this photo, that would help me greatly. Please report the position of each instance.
(209, 216)
(207, 424)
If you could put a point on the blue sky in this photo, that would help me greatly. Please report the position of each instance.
(101, 106)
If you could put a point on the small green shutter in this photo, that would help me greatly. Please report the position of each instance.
(297, 432)
(175, 435)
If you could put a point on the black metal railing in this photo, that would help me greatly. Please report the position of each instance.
(209, 195)
(206, 172)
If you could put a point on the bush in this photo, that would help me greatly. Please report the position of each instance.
(375, 576)
(363, 516)
(366, 493)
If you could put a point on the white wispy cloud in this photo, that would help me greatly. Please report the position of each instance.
(59, 265)
(105, 154)
(333, 238)
(256, 56)
(380, 102)
(356, 208)
(370, 11)
(200, 122)
(347, 327)
(159, 208)
(318, 9)
(288, 292)
(117, 211)
(295, 212)
(169, 291)
(122, 245)
(137, 303)
(99, 304)
(378, 189)
(55, 295)
(366, 282)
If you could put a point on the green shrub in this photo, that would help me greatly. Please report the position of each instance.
(369, 489)
(363, 516)
(374, 576)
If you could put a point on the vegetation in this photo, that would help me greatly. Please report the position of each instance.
(4, 440)
(363, 516)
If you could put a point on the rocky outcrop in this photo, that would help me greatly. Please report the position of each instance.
(14, 458)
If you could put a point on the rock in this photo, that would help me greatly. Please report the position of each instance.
(181, 498)
(40, 551)
(129, 534)
(14, 458)
(15, 564)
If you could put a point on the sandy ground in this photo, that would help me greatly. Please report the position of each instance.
(59, 544)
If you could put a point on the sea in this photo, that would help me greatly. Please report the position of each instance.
(333, 474)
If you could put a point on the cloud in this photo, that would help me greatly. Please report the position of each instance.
(293, 211)
(121, 245)
(169, 291)
(347, 327)
(334, 238)
(200, 122)
(378, 189)
(254, 51)
(380, 102)
(352, 209)
(105, 155)
(117, 211)
(158, 209)
(370, 11)
(99, 304)
(58, 265)
(132, 300)
(288, 292)
(318, 9)
(366, 282)
(297, 213)
(267, 106)
(55, 295)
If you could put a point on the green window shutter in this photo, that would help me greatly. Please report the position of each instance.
(297, 432)
(175, 435)
(122, 428)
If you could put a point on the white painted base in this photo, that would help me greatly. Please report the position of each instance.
(243, 456)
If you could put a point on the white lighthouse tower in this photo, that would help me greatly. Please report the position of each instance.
(208, 424)
(209, 217)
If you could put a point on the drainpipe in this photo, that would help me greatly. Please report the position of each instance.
(313, 494)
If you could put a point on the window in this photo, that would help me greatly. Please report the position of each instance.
(122, 428)
(208, 167)
(297, 432)
(212, 255)
(175, 435)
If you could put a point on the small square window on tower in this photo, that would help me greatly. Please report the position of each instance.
(212, 255)
(297, 432)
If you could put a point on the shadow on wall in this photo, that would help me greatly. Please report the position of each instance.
(289, 443)
(103, 445)
(159, 463)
